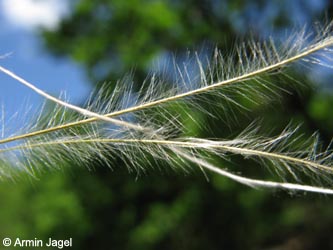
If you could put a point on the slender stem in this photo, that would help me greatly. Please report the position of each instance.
(80, 110)
(206, 165)
(181, 144)
(255, 182)
(312, 49)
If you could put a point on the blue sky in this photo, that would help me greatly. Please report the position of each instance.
(21, 51)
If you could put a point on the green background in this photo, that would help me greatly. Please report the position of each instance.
(115, 209)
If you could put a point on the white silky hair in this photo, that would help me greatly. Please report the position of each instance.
(128, 124)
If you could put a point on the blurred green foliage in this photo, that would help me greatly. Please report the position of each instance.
(162, 209)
